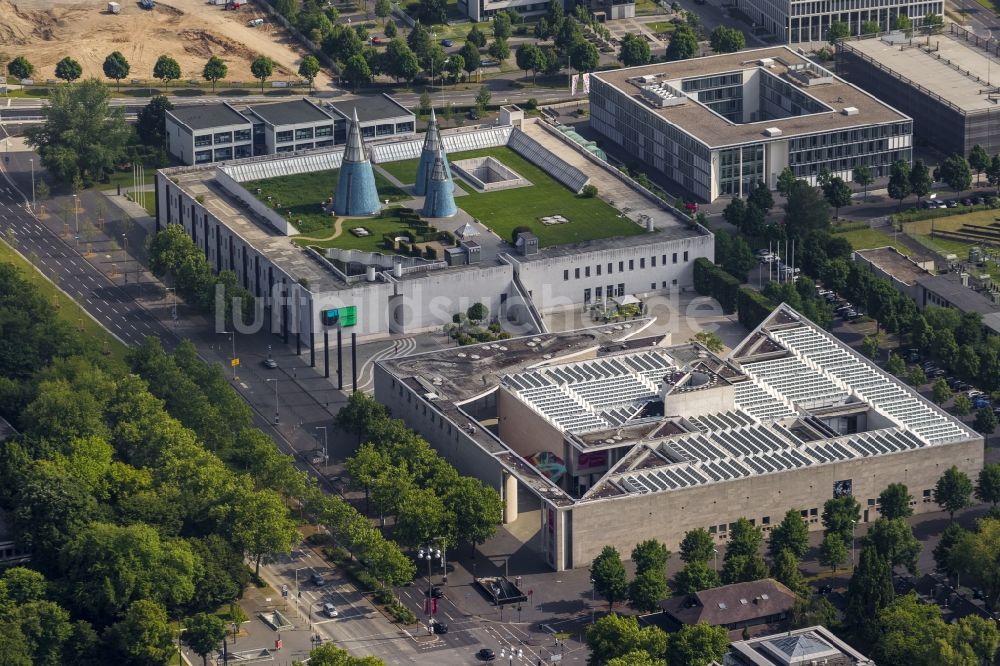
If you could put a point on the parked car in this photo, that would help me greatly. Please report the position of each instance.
(952, 204)
(269, 363)
(486, 654)
(979, 201)
(979, 403)
(376, 40)
(447, 43)
(934, 374)
(439, 628)
(974, 393)
(317, 579)
(825, 589)
(966, 201)
(330, 610)
(435, 592)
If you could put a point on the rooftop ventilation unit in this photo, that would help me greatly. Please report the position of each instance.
(850, 111)
(772, 131)
(662, 95)
(766, 62)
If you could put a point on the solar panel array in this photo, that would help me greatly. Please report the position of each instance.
(592, 395)
(796, 381)
(760, 401)
(870, 385)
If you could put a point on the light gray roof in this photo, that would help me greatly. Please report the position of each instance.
(207, 116)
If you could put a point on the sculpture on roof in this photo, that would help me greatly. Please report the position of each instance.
(356, 192)
(432, 151)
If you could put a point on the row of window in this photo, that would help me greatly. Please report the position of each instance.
(220, 154)
(859, 135)
(613, 291)
(621, 266)
(222, 138)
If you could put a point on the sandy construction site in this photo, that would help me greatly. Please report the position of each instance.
(45, 31)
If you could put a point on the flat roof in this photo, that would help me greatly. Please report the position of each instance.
(293, 112)
(946, 66)
(949, 287)
(811, 645)
(899, 266)
(715, 131)
(370, 108)
(207, 116)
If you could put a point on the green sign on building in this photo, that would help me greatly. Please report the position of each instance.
(346, 316)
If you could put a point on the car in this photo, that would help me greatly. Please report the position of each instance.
(317, 579)
(927, 203)
(691, 206)
(435, 592)
(473, 114)
(979, 201)
(376, 40)
(966, 202)
(447, 43)
(825, 589)
(486, 654)
(996, 410)
(330, 610)
(269, 363)
(850, 315)
(974, 393)
(439, 628)
(937, 373)
(952, 204)
(980, 403)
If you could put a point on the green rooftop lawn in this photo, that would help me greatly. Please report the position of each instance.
(303, 194)
(866, 239)
(348, 241)
(504, 210)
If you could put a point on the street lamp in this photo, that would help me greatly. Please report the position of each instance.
(326, 456)
(854, 524)
(235, 361)
(76, 213)
(173, 303)
(715, 552)
(593, 597)
(510, 653)
(31, 161)
(429, 553)
(297, 586)
(277, 419)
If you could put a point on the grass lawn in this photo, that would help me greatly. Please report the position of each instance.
(865, 239)
(302, 194)
(660, 27)
(589, 219)
(921, 232)
(348, 241)
(647, 7)
(68, 309)
(989, 5)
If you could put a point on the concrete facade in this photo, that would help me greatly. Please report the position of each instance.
(796, 21)
(204, 135)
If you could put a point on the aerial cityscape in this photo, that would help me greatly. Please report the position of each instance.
(383, 332)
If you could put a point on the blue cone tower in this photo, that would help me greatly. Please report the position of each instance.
(356, 194)
(432, 150)
(439, 201)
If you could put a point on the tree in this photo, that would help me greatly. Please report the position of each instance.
(46, 628)
(838, 30)
(477, 507)
(988, 484)
(470, 57)
(477, 37)
(650, 555)
(142, 637)
(711, 341)
(260, 525)
(401, 61)
(894, 501)
(166, 69)
(899, 181)
(309, 67)
(838, 194)
(391, 30)
(806, 210)
(214, 70)
(584, 56)
(895, 365)
(870, 27)
(952, 491)
(608, 574)
(863, 176)
(529, 58)
(483, 99)
(727, 40)
(383, 9)
(419, 40)
(615, 635)
(870, 346)
(698, 645)
(499, 50)
(647, 590)
(785, 180)
(634, 51)
(68, 70)
(151, 124)
(790, 534)
(204, 633)
(423, 516)
(975, 555)
(81, 135)
(262, 68)
(683, 44)
(455, 66)
(986, 421)
(329, 654)
(696, 576)
(812, 612)
(433, 12)
(116, 67)
(933, 23)
(941, 391)
(869, 591)
(902, 22)
(785, 570)
(979, 159)
(356, 71)
(697, 546)
(942, 551)
(839, 516)
(636, 658)
(920, 180)
(20, 68)
(21, 586)
(955, 172)
(501, 25)
(893, 539)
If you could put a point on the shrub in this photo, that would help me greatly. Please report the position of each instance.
(589, 191)
(531, 104)
(430, 252)
(517, 230)
(710, 280)
(446, 237)
(753, 307)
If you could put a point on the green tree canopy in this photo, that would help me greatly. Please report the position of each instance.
(166, 69)
(68, 69)
(838, 30)
(894, 501)
(650, 555)
(698, 645)
(727, 40)
(608, 574)
(20, 68)
(262, 68)
(470, 56)
(792, 534)
(696, 576)
(988, 484)
(683, 44)
(839, 516)
(214, 70)
(894, 541)
(143, 636)
(869, 591)
(806, 210)
(647, 590)
(116, 67)
(953, 491)
(785, 570)
(203, 633)
(955, 172)
(634, 50)
(529, 58)
(920, 179)
(832, 551)
(615, 635)
(697, 546)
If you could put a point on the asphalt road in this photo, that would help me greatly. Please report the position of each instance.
(981, 20)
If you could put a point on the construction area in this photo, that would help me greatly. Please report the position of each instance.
(190, 31)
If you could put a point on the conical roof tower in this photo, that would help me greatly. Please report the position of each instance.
(356, 194)
(433, 149)
(439, 201)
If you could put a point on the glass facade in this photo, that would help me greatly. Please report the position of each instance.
(744, 165)
(877, 147)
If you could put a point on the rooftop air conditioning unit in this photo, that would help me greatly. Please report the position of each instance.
(772, 131)
(850, 111)
(766, 62)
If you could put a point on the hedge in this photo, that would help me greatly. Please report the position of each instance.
(754, 307)
(710, 280)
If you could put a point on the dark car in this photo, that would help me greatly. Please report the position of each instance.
(486, 654)
(439, 628)
(269, 363)
(447, 43)
(952, 203)
(966, 202)
(317, 579)
(825, 589)
(435, 592)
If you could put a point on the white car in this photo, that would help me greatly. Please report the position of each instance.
(330, 610)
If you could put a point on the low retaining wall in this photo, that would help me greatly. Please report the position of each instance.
(508, 178)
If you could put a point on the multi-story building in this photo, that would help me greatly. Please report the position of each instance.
(809, 20)
(596, 437)
(944, 82)
(204, 133)
(718, 125)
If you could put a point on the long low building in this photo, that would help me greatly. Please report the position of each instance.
(720, 124)
(599, 437)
